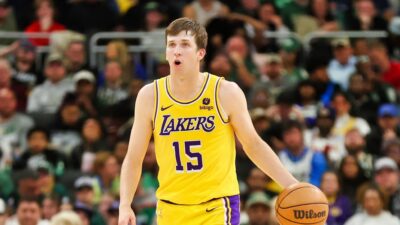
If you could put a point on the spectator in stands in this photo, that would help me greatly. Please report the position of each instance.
(7, 20)
(85, 202)
(39, 152)
(28, 213)
(45, 21)
(105, 203)
(273, 75)
(320, 10)
(351, 177)
(27, 186)
(292, 9)
(75, 57)
(270, 21)
(113, 91)
(321, 139)
(372, 201)
(290, 51)
(365, 17)
(13, 128)
(204, 10)
(344, 121)
(50, 207)
(360, 46)
(260, 120)
(126, 107)
(259, 209)
(220, 65)
(339, 205)
(389, 71)
(260, 96)
(155, 18)
(258, 181)
(113, 212)
(106, 168)
(391, 148)
(120, 150)
(318, 74)
(47, 97)
(376, 88)
(363, 104)
(90, 16)
(24, 64)
(387, 129)
(82, 157)
(220, 30)
(387, 179)
(84, 212)
(355, 144)
(66, 218)
(117, 50)
(248, 7)
(394, 28)
(48, 184)
(84, 190)
(304, 164)
(284, 109)
(307, 101)
(85, 92)
(344, 64)
(20, 90)
(65, 134)
(245, 72)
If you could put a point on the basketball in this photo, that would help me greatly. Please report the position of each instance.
(301, 203)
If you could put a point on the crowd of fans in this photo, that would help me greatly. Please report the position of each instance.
(329, 110)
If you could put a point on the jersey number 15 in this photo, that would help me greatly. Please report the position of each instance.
(193, 156)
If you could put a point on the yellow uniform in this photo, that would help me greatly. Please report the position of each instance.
(195, 150)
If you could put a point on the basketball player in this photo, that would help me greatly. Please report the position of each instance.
(194, 118)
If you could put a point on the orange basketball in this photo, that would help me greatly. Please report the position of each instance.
(302, 203)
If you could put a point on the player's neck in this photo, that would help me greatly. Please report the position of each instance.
(186, 86)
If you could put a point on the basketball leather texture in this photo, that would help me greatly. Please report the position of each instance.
(302, 203)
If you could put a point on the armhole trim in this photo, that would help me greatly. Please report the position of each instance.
(156, 103)
(218, 106)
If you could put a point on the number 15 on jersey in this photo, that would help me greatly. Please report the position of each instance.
(195, 163)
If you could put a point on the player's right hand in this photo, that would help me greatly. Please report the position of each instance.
(126, 216)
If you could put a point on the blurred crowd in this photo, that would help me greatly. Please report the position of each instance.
(328, 107)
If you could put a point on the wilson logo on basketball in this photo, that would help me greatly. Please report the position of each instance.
(310, 214)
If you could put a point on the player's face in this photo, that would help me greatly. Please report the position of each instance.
(182, 52)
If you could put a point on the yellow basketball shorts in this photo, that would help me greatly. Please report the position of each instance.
(220, 211)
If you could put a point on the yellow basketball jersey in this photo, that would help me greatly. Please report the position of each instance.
(195, 145)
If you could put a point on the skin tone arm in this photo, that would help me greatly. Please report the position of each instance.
(257, 150)
(131, 169)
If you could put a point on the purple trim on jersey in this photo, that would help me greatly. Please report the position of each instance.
(155, 112)
(234, 203)
(216, 100)
(226, 211)
(184, 103)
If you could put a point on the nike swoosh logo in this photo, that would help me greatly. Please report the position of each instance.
(165, 108)
(209, 210)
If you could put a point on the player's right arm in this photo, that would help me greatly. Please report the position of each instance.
(132, 166)
(256, 149)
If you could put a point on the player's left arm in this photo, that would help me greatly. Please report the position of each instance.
(256, 149)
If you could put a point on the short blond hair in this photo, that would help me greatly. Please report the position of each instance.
(188, 25)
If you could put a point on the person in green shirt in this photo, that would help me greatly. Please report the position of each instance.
(290, 50)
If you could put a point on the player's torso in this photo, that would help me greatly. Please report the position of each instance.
(195, 146)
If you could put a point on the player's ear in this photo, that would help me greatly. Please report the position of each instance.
(201, 53)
